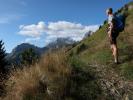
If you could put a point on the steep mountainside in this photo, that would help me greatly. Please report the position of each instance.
(95, 53)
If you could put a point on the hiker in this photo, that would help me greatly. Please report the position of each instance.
(112, 33)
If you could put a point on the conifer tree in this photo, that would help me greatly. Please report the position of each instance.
(28, 57)
(3, 61)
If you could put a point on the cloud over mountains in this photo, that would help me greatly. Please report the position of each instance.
(54, 30)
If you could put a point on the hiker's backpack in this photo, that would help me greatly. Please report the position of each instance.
(119, 22)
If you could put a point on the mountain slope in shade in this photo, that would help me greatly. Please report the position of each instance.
(14, 56)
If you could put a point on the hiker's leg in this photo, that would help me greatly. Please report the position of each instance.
(112, 49)
(115, 53)
(111, 44)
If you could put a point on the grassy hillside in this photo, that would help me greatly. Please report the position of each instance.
(86, 72)
(96, 49)
(94, 53)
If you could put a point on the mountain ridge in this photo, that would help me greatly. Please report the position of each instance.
(59, 43)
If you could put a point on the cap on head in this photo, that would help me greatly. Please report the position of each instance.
(109, 11)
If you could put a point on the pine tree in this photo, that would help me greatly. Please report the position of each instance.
(3, 61)
(28, 57)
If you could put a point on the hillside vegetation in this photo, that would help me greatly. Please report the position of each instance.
(96, 49)
(95, 52)
(85, 72)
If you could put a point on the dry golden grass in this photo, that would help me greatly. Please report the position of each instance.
(48, 78)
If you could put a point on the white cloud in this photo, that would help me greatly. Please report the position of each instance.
(54, 30)
(32, 30)
(63, 25)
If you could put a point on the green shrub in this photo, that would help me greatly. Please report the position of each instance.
(127, 70)
(75, 61)
(101, 56)
(83, 85)
(80, 48)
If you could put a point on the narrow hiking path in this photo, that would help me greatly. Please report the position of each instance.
(114, 86)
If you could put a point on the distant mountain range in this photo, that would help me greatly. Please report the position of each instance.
(14, 56)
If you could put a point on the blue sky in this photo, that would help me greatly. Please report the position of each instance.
(42, 21)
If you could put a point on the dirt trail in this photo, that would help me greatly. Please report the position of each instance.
(114, 85)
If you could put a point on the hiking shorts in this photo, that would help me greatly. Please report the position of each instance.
(114, 36)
